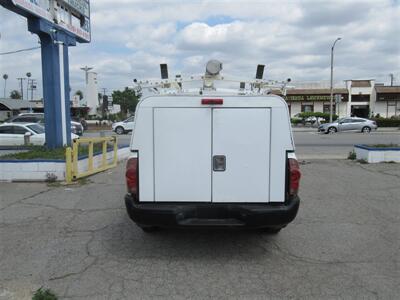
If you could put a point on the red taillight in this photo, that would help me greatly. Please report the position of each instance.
(212, 101)
(131, 175)
(294, 176)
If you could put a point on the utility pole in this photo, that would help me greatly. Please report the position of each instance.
(27, 85)
(86, 69)
(391, 79)
(21, 86)
(5, 77)
(331, 102)
(33, 86)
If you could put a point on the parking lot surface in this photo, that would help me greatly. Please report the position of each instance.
(79, 241)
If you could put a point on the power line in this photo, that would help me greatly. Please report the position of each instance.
(20, 50)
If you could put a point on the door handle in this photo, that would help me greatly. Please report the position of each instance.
(219, 163)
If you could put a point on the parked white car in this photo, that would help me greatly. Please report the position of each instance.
(76, 127)
(124, 126)
(13, 134)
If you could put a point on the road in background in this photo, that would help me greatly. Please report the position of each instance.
(313, 145)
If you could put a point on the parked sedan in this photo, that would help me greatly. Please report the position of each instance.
(76, 127)
(349, 124)
(13, 134)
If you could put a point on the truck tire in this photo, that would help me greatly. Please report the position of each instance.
(149, 229)
(271, 230)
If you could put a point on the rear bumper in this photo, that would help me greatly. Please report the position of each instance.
(212, 214)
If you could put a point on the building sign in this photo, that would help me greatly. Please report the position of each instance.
(80, 6)
(71, 15)
(309, 98)
(388, 96)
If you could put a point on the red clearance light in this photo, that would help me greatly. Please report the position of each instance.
(212, 101)
(294, 176)
(131, 176)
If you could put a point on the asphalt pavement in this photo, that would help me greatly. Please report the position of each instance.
(79, 241)
(314, 145)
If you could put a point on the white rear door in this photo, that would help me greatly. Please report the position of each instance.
(241, 155)
(182, 154)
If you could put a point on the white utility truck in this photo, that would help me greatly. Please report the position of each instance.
(212, 158)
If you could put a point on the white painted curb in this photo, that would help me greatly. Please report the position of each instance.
(40, 170)
(377, 155)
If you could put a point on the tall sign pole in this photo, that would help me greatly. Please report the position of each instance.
(21, 86)
(331, 102)
(53, 22)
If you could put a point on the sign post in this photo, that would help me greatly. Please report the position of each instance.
(59, 25)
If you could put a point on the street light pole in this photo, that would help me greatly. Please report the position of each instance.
(5, 77)
(86, 69)
(331, 102)
(27, 85)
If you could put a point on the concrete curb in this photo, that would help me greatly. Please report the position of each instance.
(44, 170)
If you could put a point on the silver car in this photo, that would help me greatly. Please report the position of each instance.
(349, 124)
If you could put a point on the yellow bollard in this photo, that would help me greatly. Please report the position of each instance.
(104, 157)
(68, 165)
(90, 157)
(115, 151)
(75, 159)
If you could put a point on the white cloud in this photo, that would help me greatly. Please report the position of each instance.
(130, 38)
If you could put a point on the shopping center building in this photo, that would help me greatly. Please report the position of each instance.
(361, 98)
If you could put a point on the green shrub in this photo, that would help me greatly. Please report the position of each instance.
(383, 122)
(295, 121)
(352, 155)
(306, 115)
(41, 294)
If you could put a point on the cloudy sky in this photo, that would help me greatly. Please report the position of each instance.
(130, 38)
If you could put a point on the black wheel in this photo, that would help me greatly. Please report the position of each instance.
(119, 130)
(366, 129)
(149, 229)
(271, 230)
(331, 130)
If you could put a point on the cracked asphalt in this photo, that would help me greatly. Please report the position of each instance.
(79, 241)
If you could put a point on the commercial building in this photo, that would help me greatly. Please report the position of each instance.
(361, 98)
(387, 101)
(12, 107)
(315, 100)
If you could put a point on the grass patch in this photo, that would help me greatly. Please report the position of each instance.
(42, 294)
(41, 152)
(36, 152)
(385, 146)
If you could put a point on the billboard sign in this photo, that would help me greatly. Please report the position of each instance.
(71, 15)
(81, 6)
